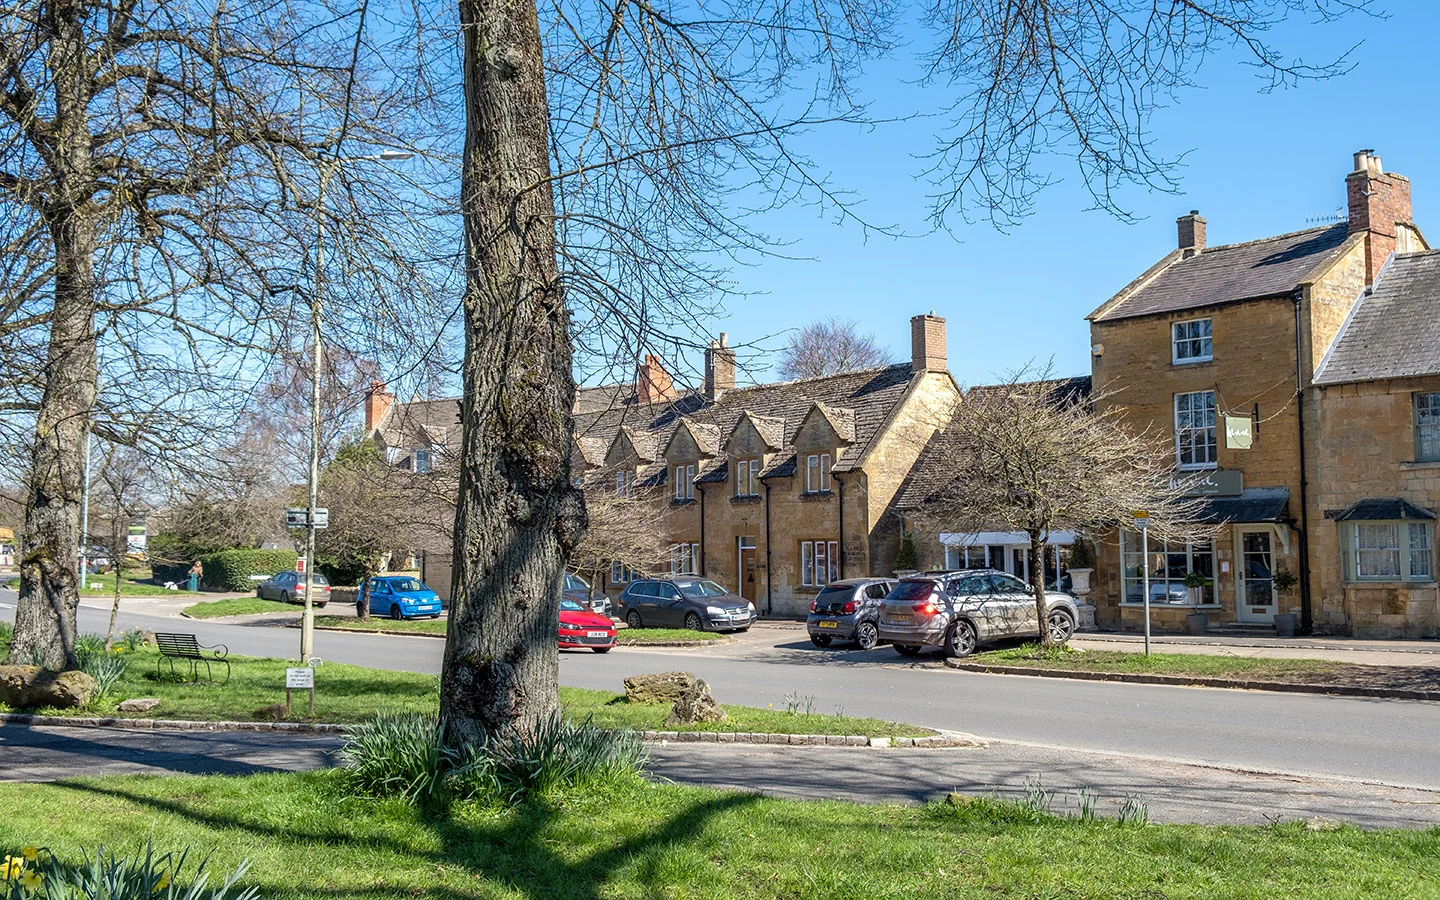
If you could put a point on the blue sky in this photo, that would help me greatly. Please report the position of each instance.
(1258, 164)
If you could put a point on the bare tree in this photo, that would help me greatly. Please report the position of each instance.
(626, 529)
(1034, 456)
(830, 347)
(123, 489)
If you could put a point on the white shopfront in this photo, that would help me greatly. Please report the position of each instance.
(1007, 551)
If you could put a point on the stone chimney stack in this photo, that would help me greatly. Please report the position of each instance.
(1191, 229)
(377, 404)
(719, 368)
(1378, 201)
(652, 382)
(927, 343)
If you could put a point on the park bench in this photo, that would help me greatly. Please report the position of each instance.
(184, 647)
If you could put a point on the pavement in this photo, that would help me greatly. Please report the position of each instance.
(1171, 793)
(1333, 649)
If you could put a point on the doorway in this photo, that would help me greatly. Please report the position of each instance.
(745, 574)
(1254, 587)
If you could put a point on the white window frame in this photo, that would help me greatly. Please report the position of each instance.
(685, 482)
(1426, 405)
(817, 473)
(1212, 444)
(684, 559)
(819, 563)
(747, 477)
(422, 461)
(1206, 341)
(621, 573)
(624, 484)
(1412, 548)
(1130, 546)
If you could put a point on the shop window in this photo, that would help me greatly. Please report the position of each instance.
(1388, 551)
(1167, 564)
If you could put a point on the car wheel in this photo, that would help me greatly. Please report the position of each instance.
(602, 649)
(288, 598)
(632, 618)
(1061, 626)
(395, 611)
(907, 649)
(960, 640)
(692, 622)
(436, 616)
(321, 605)
(867, 636)
(260, 592)
(820, 640)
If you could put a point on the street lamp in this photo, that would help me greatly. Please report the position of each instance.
(307, 621)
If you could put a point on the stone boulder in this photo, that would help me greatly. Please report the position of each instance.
(666, 687)
(140, 704)
(696, 704)
(27, 687)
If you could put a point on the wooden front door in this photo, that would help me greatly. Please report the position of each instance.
(748, 586)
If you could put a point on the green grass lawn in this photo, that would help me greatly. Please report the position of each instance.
(664, 635)
(308, 841)
(134, 583)
(374, 623)
(1206, 666)
(239, 606)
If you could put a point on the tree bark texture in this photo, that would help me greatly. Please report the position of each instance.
(45, 617)
(1037, 585)
(517, 518)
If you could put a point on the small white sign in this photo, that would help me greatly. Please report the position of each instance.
(299, 678)
(1238, 432)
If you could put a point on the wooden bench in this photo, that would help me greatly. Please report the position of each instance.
(185, 647)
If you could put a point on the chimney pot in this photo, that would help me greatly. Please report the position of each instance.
(377, 405)
(1190, 229)
(1378, 204)
(719, 368)
(927, 344)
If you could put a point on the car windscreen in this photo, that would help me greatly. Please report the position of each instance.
(407, 584)
(571, 605)
(697, 590)
(912, 590)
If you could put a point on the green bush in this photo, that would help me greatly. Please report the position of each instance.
(906, 559)
(35, 874)
(230, 570)
(7, 634)
(171, 556)
(106, 669)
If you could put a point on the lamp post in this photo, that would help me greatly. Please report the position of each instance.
(307, 621)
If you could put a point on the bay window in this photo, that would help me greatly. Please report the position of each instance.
(1388, 551)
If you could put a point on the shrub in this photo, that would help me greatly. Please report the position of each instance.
(1082, 555)
(230, 570)
(906, 559)
(35, 874)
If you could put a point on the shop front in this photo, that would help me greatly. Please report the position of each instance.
(1009, 551)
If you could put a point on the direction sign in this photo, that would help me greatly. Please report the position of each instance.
(298, 517)
(322, 517)
(299, 678)
(1142, 518)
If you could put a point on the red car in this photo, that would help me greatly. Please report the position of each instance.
(580, 628)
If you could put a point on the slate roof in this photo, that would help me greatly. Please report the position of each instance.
(1253, 505)
(1269, 267)
(1379, 509)
(777, 409)
(929, 474)
(1393, 332)
(437, 421)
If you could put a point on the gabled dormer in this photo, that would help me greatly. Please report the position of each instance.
(826, 427)
(692, 441)
(750, 445)
(630, 449)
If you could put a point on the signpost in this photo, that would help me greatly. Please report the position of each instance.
(300, 679)
(299, 517)
(1142, 522)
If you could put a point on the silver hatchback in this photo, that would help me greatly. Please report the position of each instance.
(958, 611)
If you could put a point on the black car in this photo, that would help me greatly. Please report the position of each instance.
(684, 601)
(848, 610)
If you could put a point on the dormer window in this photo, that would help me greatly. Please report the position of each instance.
(685, 482)
(422, 461)
(817, 473)
(1190, 342)
(624, 483)
(747, 477)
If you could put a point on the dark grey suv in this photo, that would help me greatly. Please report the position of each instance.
(958, 611)
(848, 610)
(684, 601)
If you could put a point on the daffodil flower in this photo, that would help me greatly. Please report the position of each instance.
(10, 869)
(30, 880)
(30, 853)
(162, 884)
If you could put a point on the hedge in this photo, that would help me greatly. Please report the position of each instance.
(230, 570)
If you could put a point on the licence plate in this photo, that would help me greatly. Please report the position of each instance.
(597, 634)
(827, 625)
(898, 617)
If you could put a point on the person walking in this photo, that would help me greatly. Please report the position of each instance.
(197, 572)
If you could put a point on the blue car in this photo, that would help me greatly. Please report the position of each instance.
(403, 597)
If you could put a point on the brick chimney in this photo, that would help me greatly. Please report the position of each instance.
(1377, 201)
(652, 382)
(377, 404)
(1191, 229)
(927, 343)
(719, 368)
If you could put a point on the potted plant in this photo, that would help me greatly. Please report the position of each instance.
(1195, 585)
(1284, 581)
(1082, 563)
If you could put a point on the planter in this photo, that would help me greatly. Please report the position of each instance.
(1080, 581)
(1198, 623)
(1285, 625)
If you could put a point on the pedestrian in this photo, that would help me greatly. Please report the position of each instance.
(197, 572)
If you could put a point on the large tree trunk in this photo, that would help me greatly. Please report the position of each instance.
(45, 617)
(517, 517)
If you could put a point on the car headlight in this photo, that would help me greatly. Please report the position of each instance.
(714, 610)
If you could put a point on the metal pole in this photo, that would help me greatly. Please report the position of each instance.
(307, 621)
(85, 518)
(1145, 569)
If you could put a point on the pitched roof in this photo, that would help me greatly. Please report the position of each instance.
(1379, 509)
(1268, 267)
(1393, 332)
(1253, 505)
(436, 421)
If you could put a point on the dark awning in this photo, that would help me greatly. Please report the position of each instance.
(1253, 505)
(1379, 509)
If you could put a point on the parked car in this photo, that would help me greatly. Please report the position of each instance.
(578, 589)
(685, 601)
(403, 597)
(289, 587)
(958, 611)
(848, 610)
(581, 628)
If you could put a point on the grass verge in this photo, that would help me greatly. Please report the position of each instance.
(414, 626)
(238, 606)
(135, 583)
(307, 839)
(642, 636)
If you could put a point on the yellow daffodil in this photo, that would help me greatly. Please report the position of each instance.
(162, 884)
(10, 869)
(31, 879)
(29, 852)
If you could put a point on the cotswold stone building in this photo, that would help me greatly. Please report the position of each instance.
(773, 490)
(1296, 374)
